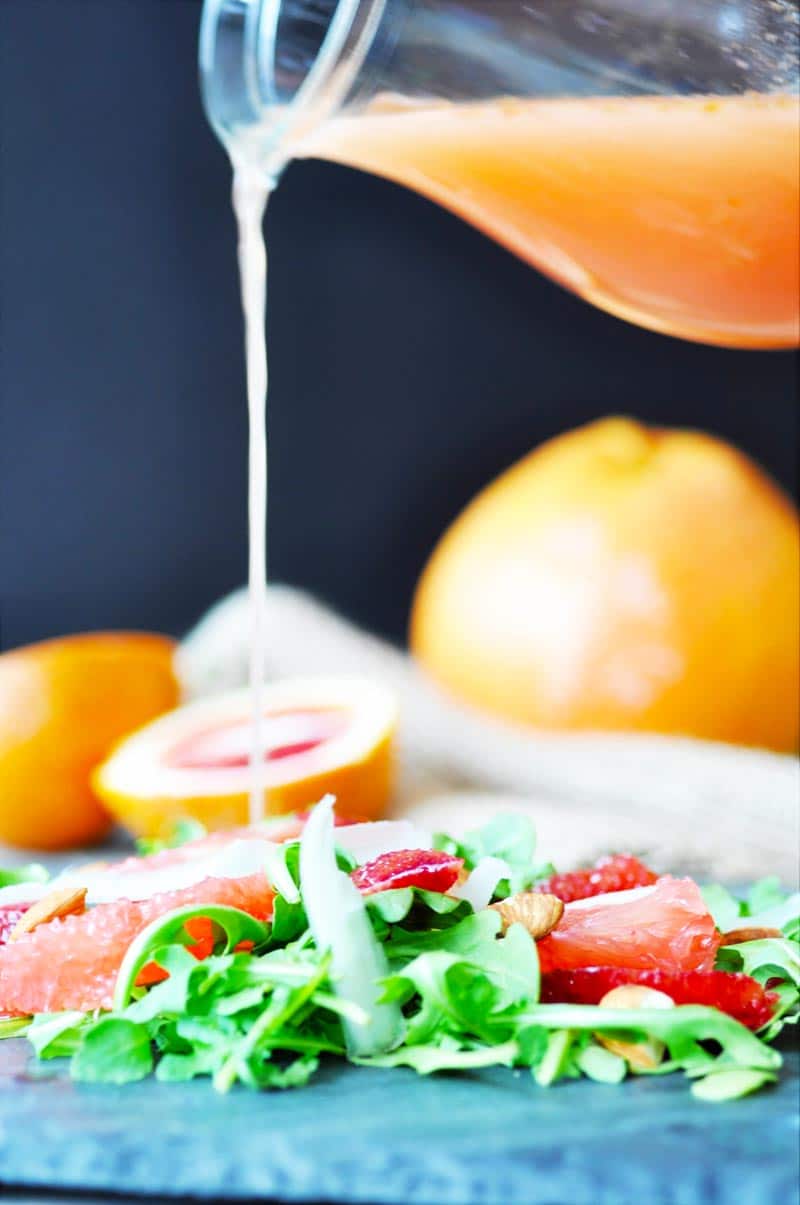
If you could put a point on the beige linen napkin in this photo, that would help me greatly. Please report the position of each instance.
(707, 808)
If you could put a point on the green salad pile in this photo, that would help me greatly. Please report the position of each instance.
(403, 978)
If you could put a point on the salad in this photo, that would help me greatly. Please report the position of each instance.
(252, 956)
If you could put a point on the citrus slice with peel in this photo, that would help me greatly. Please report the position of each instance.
(320, 735)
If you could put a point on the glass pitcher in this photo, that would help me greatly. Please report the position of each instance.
(644, 153)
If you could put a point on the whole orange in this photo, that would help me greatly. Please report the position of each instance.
(622, 578)
(63, 705)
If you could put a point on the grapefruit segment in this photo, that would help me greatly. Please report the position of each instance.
(321, 735)
(73, 963)
(666, 926)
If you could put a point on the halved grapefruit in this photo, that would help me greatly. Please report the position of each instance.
(321, 735)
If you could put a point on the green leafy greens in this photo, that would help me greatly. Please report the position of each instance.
(772, 961)
(32, 873)
(453, 994)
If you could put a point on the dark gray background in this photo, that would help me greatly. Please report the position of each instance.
(411, 358)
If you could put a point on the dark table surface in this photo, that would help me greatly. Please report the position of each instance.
(392, 1138)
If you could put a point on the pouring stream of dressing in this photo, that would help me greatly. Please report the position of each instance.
(251, 191)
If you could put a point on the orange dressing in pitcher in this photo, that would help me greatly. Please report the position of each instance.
(678, 213)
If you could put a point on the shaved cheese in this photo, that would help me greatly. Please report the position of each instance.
(232, 861)
(481, 884)
(367, 841)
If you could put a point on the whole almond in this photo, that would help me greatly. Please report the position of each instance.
(735, 937)
(636, 995)
(644, 1055)
(64, 901)
(535, 911)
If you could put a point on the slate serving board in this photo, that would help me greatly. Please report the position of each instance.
(392, 1138)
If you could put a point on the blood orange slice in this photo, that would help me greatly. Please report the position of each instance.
(737, 995)
(429, 869)
(73, 963)
(617, 872)
(666, 926)
(320, 735)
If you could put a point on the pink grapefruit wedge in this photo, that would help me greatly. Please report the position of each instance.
(320, 735)
(73, 963)
(663, 927)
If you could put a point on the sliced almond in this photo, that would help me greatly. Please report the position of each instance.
(537, 912)
(644, 1055)
(735, 937)
(64, 901)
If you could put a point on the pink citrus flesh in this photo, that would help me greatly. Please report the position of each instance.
(227, 745)
(72, 963)
(428, 869)
(666, 926)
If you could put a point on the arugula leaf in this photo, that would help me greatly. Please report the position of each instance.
(426, 1059)
(420, 911)
(767, 906)
(474, 935)
(508, 836)
(601, 1065)
(113, 1051)
(466, 981)
(14, 1027)
(774, 962)
(177, 1068)
(682, 1029)
(731, 1084)
(283, 1005)
(765, 959)
(181, 832)
(556, 1062)
(723, 906)
(295, 1074)
(764, 895)
(784, 915)
(54, 1035)
(32, 873)
(236, 925)
(289, 922)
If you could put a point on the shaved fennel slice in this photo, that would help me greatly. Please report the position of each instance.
(278, 874)
(339, 923)
(481, 884)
